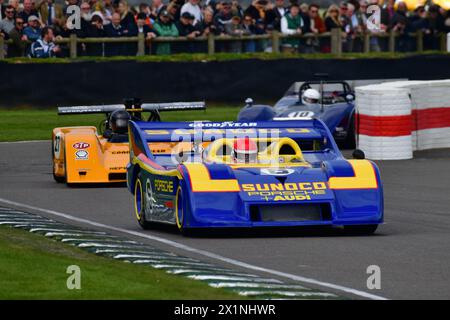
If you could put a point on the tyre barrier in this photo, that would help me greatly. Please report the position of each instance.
(396, 118)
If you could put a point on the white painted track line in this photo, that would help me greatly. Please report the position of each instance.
(205, 253)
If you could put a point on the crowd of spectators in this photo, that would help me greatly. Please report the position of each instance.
(33, 25)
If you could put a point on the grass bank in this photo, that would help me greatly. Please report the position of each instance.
(34, 267)
(33, 124)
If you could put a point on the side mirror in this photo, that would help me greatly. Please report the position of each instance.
(358, 154)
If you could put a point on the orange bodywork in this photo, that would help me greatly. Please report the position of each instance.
(81, 155)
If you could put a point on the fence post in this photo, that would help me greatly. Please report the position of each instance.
(275, 41)
(392, 41)
(73, 46)
(2, 47)
(141, 44)
(366, 42)
(211, 44)
(419, 40)
(336, 41)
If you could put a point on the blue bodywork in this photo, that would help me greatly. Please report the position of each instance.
(337, 111)
(318, 188)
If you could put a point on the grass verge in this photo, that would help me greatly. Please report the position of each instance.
(202, 57)
(32, 124)
(34, 267)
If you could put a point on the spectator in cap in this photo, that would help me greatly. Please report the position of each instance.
(32, 30)
(192, 7)
(164, 27)
(187, 29)
(223, 17)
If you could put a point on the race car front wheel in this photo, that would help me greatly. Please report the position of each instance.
(139, 204)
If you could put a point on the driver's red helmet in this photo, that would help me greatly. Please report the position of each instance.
(245, 150)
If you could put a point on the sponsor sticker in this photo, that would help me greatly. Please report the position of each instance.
(81, 155)
(81, 145)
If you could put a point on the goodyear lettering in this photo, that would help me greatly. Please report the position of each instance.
(164, 185)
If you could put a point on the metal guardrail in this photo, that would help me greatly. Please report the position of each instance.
(336, 37)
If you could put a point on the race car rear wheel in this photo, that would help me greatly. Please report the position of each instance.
(366, 229)
(139, 204)
(180, 211)
(59, 179)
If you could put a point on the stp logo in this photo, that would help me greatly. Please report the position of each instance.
(81, 145)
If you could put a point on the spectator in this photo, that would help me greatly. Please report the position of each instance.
(32, 30)
(145, 10)
(235, 29)
(45, 47)
(257, 9)
(95, 30)
(28, 10)
(274, 15)
(187, 29)
(126, 18)
(292, 24)
(304, 8)
(164, 27)
(85, 21)
(143, 27)
(333, 18)
(114, 30)
(174, 10)
(50, 13)
(7, 24)
(207, 25)
(18, 45)
(223, 17)
(236, 9)
(192, 7)
(14, 4)
(156, 8)
(317, 25)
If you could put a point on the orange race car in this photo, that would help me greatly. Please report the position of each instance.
(87, 155)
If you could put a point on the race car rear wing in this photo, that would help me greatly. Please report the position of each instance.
(149, 107)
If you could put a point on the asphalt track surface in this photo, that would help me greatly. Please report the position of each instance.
(412, 248)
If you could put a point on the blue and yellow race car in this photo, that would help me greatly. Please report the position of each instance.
(199, 175)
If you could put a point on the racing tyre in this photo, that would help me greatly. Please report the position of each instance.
(180, 211)
(366, 229)
(55, 177)
(140, 203)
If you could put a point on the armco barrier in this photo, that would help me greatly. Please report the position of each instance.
(396, 118)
